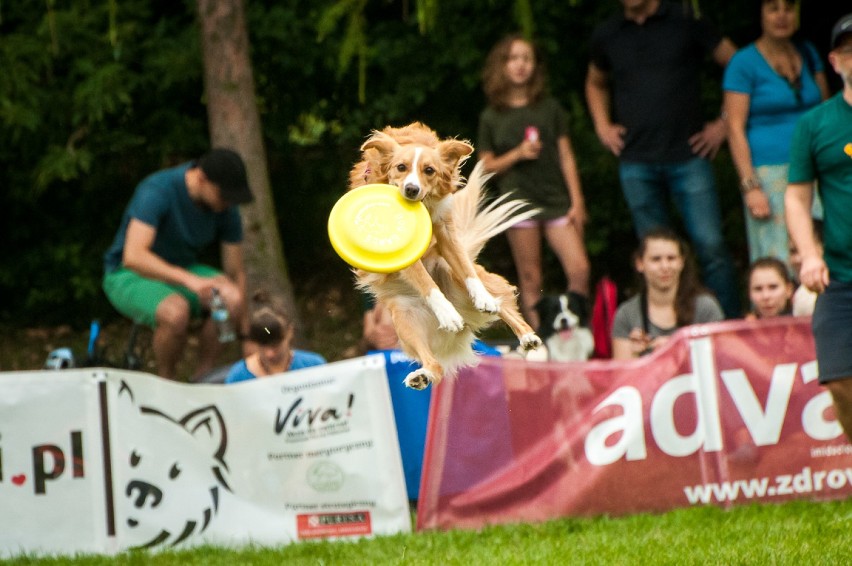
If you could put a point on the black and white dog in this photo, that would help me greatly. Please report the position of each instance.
(564, 327)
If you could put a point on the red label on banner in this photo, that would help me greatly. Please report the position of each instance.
(322, 525)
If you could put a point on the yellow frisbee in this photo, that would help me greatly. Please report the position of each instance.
(375, 229)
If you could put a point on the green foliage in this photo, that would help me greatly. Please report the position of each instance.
(524, 17)
(792, 533)
(354, 41)
(427, 15)
(350, 14)
(86, 89)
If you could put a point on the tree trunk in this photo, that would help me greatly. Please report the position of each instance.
(235, 123)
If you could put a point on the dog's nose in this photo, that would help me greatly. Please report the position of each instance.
(145, 493)
(411, 191)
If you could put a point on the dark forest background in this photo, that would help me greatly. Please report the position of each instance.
(94, 95)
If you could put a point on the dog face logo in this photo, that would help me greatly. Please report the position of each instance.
(173, 487)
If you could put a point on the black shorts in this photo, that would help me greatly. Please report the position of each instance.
(832, 328)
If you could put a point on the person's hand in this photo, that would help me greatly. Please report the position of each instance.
(814, 274)
(201, 286)
(577, 218)
(757, 203)
(707, 142)
(612, 137)
(529, 150)
(577, 215)
(640, 343)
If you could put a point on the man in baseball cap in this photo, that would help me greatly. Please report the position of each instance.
(152, 272)
(225, 168)
(821, 156)
(841, 28)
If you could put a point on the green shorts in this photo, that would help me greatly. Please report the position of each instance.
(138, 297)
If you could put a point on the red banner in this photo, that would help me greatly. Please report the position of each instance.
(727, 413)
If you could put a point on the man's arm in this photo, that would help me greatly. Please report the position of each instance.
(724, 51)
(800, 226)
(138, 257)
(599, 100)
(233, 266)
(707, 142)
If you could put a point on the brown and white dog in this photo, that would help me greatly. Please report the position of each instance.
(439, 303)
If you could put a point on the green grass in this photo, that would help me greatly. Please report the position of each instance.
(801, 533)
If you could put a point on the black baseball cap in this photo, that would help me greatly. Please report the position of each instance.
(225, 168)
(841, 28)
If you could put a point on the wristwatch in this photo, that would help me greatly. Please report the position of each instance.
(749, 184)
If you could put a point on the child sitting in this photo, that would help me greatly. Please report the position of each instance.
(770, 288)
(273, 333)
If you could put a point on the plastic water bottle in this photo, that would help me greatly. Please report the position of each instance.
(220, 315)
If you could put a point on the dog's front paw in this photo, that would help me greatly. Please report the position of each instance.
(539, 354)
(530, 341)
(482, 299)
(419, 379)
(448, 317)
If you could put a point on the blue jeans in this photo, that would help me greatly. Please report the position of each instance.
(692, 187)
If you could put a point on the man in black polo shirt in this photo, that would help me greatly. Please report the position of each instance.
(644, 93)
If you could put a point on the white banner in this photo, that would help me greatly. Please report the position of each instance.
(308, 454)
(52, 496)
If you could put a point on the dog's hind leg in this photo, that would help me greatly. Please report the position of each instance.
(411, 336)
(509, 311)
(463, 268)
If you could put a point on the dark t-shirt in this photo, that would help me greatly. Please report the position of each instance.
(184, 229)
(655, 72)
(539, 181)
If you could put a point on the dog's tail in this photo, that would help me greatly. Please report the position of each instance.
(477, 222)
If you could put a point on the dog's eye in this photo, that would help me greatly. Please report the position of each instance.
(134, 458)
(429, 170)
(401, 167)
(174, 472)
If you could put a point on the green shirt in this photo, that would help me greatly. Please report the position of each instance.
(821, 151)
(539, 181)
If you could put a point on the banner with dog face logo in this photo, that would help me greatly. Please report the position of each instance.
(725, 414)
(52, 494)
(308, 454)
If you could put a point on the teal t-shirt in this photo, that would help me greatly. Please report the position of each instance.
(821, 151)
(539, 181)
(183, 227)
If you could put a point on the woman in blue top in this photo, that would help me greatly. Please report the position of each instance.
(272, 333)
(768, 85)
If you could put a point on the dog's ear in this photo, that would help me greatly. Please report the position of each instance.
(380, 142)
(454, 151)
